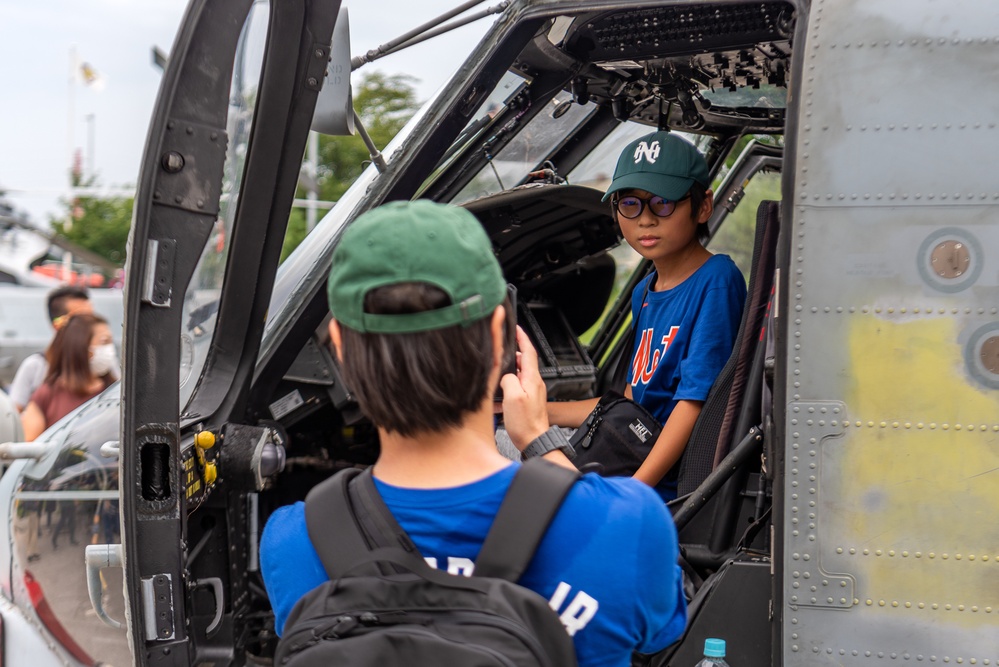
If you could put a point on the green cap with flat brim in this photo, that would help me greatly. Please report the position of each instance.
(662, 164)
(415, 242)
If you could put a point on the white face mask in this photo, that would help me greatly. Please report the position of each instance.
(102, 358)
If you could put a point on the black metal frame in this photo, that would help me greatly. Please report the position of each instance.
(176, 207)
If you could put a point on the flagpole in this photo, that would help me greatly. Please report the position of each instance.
(91, 136)
(70, 110)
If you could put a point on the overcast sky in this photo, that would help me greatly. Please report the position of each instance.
(115, 38)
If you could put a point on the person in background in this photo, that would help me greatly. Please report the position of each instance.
(62, 302)
(81, 363)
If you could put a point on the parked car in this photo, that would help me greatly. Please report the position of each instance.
(25, 327)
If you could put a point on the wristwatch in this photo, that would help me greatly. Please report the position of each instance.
(548, 441)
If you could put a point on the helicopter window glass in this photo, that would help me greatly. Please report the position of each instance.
(509, 86)
(201, 301)
(528, 149)
(736, 235)
(764, 97)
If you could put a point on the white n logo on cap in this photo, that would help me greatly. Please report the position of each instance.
(650, 153)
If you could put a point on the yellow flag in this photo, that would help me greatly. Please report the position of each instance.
(91, 77)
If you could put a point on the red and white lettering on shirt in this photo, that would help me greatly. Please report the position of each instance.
(646, 359)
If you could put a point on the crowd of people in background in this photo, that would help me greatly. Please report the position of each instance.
(80, 362)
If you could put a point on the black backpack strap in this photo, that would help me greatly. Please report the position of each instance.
(530, 504)
(374, 516)
(335, 532)
(347, 519)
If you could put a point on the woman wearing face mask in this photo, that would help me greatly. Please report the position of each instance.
(82, 363)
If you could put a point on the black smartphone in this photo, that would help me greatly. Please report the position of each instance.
(511, 367)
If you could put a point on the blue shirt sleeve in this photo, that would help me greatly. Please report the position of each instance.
(664, 607)
(288, 562)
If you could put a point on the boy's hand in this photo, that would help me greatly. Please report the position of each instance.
(525, 413)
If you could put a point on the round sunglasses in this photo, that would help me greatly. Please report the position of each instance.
(631, 206)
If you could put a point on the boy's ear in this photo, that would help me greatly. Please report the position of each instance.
(497, 331)
(707, 207)
(336, 339)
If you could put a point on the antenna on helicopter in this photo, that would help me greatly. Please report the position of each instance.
(428, 30)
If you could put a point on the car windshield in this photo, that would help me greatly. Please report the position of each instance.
(201, 301)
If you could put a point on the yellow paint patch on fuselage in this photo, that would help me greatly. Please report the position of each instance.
(909, 495)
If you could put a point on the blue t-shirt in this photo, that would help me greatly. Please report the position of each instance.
(607, 565)
(684, 337)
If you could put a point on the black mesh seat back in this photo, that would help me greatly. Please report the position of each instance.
(713, 434)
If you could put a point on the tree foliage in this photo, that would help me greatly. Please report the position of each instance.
(384, 103)
(98, 224)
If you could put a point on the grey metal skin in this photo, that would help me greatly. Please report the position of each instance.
(873, 500)
(889, 309)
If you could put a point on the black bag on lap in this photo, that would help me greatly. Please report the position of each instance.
(615, 438)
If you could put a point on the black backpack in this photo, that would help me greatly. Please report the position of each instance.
(384, 605)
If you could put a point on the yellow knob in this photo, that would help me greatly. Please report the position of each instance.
(204, 439)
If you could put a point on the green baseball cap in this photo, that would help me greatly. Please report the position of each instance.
(661, 163)
(415, 242)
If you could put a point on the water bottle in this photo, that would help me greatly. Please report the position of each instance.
(714, 654)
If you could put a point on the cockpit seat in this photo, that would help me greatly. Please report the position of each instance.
(733, 405)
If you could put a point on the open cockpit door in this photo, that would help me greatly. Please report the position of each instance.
(216, 185)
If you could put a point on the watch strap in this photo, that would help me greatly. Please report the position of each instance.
(548, 441)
